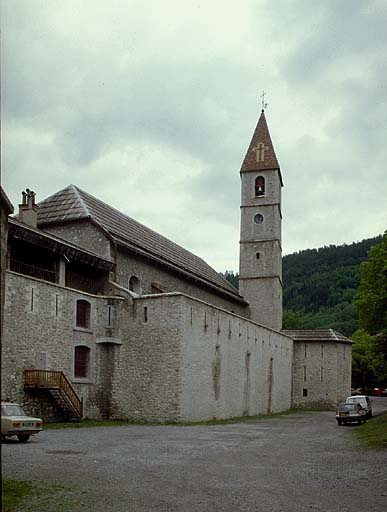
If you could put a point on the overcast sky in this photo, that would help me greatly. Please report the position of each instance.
(150, 106)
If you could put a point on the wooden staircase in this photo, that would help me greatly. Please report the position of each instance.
(60, 388)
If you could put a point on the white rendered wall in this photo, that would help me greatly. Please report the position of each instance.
(323, 369)
(226, 365)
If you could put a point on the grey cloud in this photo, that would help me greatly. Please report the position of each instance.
(70, 99)
(330, 31)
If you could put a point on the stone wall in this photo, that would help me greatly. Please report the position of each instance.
(166, 357)
(185, 360)
(129, 265)
(86, 235)
(231, 366)
(83, 234)
(146, 383)
(272, 187)
(39, 324)
(321, 374)
(136, 364)
(260, 259)
(6, 209)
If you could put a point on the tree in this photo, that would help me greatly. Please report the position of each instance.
(292, 319)
(364, 360)
(232, 278)
(371, 302)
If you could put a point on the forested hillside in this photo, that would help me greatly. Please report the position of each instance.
(320, 285)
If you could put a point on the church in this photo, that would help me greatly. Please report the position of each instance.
(105, 318)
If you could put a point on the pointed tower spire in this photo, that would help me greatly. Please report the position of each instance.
(260, 154)
(260, 263)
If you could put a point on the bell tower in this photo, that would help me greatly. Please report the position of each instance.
(260, 261)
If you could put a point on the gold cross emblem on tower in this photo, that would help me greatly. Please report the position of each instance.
(260, 151)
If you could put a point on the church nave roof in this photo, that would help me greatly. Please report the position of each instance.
(73, 204)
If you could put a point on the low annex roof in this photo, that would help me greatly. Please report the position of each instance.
(73, 204)
(317, 335)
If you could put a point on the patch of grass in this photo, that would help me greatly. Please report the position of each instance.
(13, 492)
(87, 424)
(238, 419)
(23, 495)
(373, 433)
(121, 423)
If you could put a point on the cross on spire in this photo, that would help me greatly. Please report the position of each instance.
(260, 151)
(264, 105)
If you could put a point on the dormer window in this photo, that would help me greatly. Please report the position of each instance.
(259, 186)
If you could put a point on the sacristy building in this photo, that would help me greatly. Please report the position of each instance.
(105, 318)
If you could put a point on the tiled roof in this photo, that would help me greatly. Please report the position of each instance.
(316, 335)
(72, 204)
(260, 154)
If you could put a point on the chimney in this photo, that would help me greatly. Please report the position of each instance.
(28, 210)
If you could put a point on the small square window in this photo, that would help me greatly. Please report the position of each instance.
(304, 392)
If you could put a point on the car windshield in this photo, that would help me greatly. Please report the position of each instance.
(12, 410)
(356, 400)
(346, 407)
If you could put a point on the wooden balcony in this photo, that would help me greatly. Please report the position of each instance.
(32, 270)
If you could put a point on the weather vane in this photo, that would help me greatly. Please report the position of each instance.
(264, 105)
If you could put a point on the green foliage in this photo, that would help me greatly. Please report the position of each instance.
(373, 433)
(365, 361)
(331, 287)
(371, 302)
(25, 495)
(371, 299)
(320, 286)
(87, 424)
(341, 317)
(232, 278)
(306, 262)
(13, 493)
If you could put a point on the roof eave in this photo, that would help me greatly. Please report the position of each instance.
(56, 245)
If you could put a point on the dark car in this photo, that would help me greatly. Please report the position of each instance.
(350, 413)
(362, 400)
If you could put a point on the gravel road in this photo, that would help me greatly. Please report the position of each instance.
(292, 463)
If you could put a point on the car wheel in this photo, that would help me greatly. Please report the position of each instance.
(359, 422)
(23, 438)
(339, 423)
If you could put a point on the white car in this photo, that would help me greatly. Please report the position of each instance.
(364, 401)
(15, 422)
